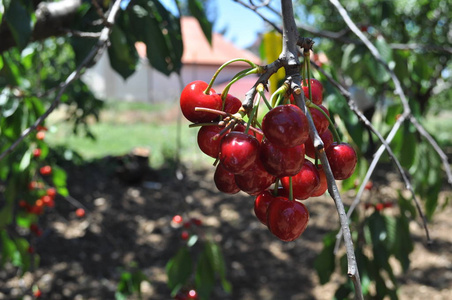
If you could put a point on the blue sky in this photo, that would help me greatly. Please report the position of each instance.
(242, 24)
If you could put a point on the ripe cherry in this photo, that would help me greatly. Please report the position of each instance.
(177, 219)
(342, 158)
(80, 212)
(323, 186)
(238, 151)
(261, 204)
(287, 219)
(320, 120)
(45, 170)
(232, 104)
(242, 128)
(51, 192)
(280, 161)
(48, 201)
(192, 294)
(184, 235)
(255, 179)
(37, 152)
(193, 96)
(304, 183)
(225, 180)
(40, 135)
(327, 138)
(206, 141)
(286, 126)
(316, 91)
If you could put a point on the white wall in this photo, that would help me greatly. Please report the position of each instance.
(147, 84)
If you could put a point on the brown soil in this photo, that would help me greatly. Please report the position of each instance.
(82, 258)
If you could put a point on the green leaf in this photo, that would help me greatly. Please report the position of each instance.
(148, 21)
(19, 22)
(216, 258)
(25, 161)
(324, 263)
(404, 244)
(197, 10)
(59, 177)
(178, 269)
(205, 275)
(122, 54)
(8, 248)
(384, 49)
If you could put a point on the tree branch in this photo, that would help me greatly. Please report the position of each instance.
(97, 50)
(51, 18)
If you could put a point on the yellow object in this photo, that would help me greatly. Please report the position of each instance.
(272, 49)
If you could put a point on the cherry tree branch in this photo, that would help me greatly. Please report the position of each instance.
(292, 66)
(94, 54)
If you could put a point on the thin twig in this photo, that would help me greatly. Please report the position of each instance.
(377, 156)
(95, 52)
(255, 9)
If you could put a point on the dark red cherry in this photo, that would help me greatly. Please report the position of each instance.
(287, 219)
(280, 161)
(286, 126)
(327, 138)
(261, 204)
(255, 179)
(316, 90)
(320, 120)
(305, 182)
(225, 180)
(242, 128)
(232, 104)
(342, 158)
(193, 96)
(323, 186)
(238, 151)
(206, 141)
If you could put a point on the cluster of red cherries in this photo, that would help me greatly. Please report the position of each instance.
(252, 159)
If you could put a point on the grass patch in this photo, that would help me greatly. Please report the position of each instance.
(128, 125)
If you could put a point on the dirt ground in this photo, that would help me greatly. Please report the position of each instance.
(82, 258)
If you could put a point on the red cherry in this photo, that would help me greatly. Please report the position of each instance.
(238, 151)
(184, 235)
(193, 96)
(51, 192)
(37, 293)
(232, 104)
(279, 161)
(255, 179)
(196, 221)
(207, 142)
(316, 91)
(388, 204)
(34, 228)
(225, 180)
(323, 186)
(48, 201)
(242, 128)
(37, 152)
(286, 126)
(30, 249)
(369, 185)
(192, 294)
(320, 120)
(46, 170)
(342, 158)
(80, 212)
(304, 183)
(287, 219)
(187, 224)
(40, 135)
(327, 138)
(261, 204)
(177, 219)
(379, 206)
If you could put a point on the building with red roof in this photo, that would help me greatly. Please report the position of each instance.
(200, 61)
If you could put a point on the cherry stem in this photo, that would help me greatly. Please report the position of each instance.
(236, 78)
(214, 111)
(275, 188)
(333, 128)
(260, 90)
(290, 189)
(225, 65)
(252, 114)
(281, 90)
(203, 124)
